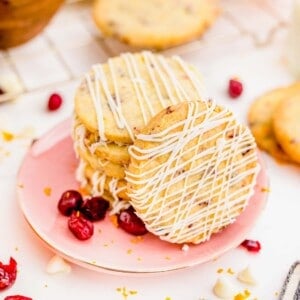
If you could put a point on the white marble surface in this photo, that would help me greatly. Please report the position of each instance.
(54, 62)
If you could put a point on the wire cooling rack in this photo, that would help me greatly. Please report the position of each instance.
(71, 43)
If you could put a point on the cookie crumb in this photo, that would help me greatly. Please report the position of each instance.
(230, 271)
(47, 191)
(220, 270)
(265, 190)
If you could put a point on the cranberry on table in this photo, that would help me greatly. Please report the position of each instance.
(54, 102)
(69, 201)
(252, 246)
(17, 297)
(235, 88)
(82, 228)
(94, 209)
(131, 223)
(8, 274)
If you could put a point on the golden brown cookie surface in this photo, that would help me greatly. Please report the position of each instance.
(260, 119)
(192, 171)
(119, 97)
(154, 23)
(286, 122)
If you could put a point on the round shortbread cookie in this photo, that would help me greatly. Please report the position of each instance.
(193, 169)
(109, 168)
(116, 99)
(154, 23)
(260, 119)
(286, 123)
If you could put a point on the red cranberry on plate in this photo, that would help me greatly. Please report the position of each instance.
(8, 274)
(252, 246)
(82, 228)
(17, 297)
(54, 102)
(69, 201)
(235, 88)
(94, 209)
(131, 223)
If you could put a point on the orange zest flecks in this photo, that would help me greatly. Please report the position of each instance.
(230, 271)
(7, 136)
(129, 251)
(47, 191)
(265, 189)
(125, 293)
(114, 220)
(242, 296)
(137, 239)
(220, 270)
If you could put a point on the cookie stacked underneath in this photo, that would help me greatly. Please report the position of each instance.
(113, 103)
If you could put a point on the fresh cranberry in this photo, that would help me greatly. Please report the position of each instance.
(54, 102)
(94, 209)
(82, 228)
(235, 88)
(8, 273)
(131, 223)
(252, 246)
(17, 297)
(69, 201)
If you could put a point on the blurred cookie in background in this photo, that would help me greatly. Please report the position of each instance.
(153, 23)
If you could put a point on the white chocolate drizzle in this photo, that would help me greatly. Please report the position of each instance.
(160, 72)
(203, 205)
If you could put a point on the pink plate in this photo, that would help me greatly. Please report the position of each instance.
(48, 170)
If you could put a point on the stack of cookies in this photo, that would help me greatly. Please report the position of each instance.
(274, 119)
(146, 137)
(113, 102)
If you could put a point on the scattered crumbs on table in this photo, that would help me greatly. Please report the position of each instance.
(47, 191)
(129, 251)
(167, 257)
(45, 285)
(220, 270)
(242, 296)
(20, 185)
(7, 136)
(112, 241)
(265, 190)
(215, 258)
(17, 248)
(139, 259)
(99, 230)
(105, 245)
(93, 262)
(230, 271)
(168, 298)
(114, 220)
(125, 293)
(276, 294)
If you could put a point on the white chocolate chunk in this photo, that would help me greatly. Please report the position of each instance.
(223, 289)
(11, 86)
(57, 265)
(246, 276)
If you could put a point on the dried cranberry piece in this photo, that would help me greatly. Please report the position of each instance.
(82, 228)
(94, 209)
(252, 246)
(17, 297)
(2, 92)
(69, 201)
(8, 273)
(131, 223)
(235, 88)
(54, 102)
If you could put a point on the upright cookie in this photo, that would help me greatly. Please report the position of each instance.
(260, 118)
(286, 123)
(193, 169)
(154, 23)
